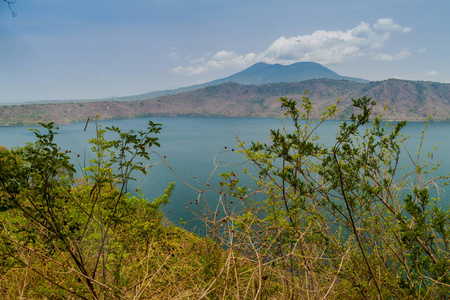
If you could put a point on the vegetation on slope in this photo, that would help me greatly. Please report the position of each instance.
(325, 222)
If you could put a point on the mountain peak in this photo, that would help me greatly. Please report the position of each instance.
(261, 73)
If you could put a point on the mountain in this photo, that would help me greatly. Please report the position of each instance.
(259, 73)
(408, 100)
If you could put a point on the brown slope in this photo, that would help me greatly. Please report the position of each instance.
(408, 100)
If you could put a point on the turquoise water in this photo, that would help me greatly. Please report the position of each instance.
(191, 143)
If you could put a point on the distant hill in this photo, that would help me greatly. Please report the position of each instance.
(408, 100)
(259, 73)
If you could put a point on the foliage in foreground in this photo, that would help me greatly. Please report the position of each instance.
(341, 220)
(338, 221)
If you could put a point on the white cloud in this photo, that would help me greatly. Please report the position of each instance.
(230, 59)
(387, 24)
(325, 47)
(173, 54)
(404, 53)
(432, 73)
(181, 69)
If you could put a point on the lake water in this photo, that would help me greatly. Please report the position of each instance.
(191, 143)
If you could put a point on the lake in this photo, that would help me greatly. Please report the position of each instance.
(191, 143)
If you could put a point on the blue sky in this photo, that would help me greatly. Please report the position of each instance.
(79, 49)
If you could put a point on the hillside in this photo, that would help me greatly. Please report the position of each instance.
(259, 73)
(408, 100)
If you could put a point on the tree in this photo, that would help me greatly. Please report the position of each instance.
(76, 234)
(340, 220)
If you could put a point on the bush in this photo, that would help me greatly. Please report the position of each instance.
(339, 221)
(76, 237)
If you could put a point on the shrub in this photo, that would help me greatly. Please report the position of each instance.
(85, 237)
(338, 220)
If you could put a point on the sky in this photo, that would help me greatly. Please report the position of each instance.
(80, 49)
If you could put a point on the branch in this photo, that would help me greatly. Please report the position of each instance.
(9, 2)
